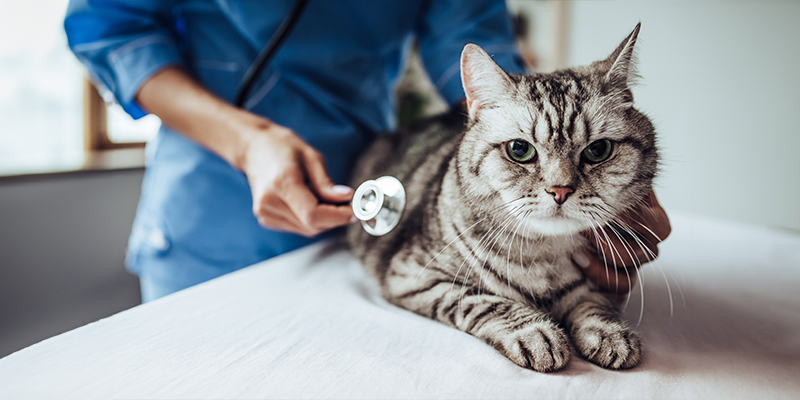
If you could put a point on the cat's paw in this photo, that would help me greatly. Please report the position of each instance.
(612, 346)
(543, 347)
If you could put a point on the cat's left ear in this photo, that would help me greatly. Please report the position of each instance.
(484, 82)
(622, 64)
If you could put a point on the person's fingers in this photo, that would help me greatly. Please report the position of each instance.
(649, 220)
(300, 200)
(321, 182)
(618, 249)
(607, 278)
(621, 248)
(277, 222)
(271, 212)
(311, 214)
(632, 239)
(332, 216)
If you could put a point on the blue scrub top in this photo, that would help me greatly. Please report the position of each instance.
(332, 82)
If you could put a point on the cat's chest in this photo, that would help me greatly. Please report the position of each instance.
(537, 269)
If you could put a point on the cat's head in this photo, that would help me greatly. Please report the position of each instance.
(564, 151)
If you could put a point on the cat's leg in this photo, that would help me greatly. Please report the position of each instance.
(526, 336)
(599, 333)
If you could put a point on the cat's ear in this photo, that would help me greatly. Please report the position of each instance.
(621, 63)
(484, 82)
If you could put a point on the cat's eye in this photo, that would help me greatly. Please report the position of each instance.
(597, 152)
(520, 151)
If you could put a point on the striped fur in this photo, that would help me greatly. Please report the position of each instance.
(482, 246)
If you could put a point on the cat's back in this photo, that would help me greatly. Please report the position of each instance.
(401, 153)
(418, 156)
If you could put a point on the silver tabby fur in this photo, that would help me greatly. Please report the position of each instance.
(482, 246)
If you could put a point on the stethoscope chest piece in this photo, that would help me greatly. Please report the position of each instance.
(379, 204)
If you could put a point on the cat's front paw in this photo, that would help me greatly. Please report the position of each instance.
(612, 346)
(543, 347)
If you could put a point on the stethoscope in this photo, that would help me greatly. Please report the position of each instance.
(378, 203)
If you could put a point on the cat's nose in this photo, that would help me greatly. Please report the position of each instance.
(560, 193)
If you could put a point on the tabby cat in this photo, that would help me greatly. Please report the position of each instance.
(496, 200)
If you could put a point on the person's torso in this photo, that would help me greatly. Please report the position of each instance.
(331, 82)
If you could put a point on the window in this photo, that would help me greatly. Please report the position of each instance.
(107, 126)
(42, 88)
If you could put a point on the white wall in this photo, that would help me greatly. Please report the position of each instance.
(62, 244)
(720, 81)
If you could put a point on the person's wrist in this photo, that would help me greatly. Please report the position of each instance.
(249, 130)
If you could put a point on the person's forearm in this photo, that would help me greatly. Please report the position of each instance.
(288, 180)
(184, 105)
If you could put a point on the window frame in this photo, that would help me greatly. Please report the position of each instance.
(95, 122)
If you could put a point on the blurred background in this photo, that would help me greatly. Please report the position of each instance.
(719, 82)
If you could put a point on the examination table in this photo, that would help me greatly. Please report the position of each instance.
(311, 324)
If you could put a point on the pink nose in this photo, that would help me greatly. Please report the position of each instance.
(560, 193)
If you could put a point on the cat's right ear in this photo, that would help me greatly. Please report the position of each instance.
(621, 66)
(484, 82)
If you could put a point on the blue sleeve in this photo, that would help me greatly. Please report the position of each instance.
(122, 43)
(447, 25)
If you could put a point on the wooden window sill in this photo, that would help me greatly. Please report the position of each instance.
(89, 161)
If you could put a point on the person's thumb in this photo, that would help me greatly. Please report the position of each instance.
(321, 183)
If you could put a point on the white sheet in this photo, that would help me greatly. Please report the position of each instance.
(311, 324)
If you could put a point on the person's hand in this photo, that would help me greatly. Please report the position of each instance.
(615, 254)
(291, 188)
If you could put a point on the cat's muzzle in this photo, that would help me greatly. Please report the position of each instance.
(379, 204)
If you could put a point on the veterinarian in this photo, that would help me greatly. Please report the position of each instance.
(226, 187)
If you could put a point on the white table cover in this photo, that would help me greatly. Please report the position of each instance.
(311, 324)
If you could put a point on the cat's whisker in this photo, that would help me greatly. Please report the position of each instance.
(630, 291)
(652, 255)
(660, 239)
(448, 245)
(611, 218)
(453, 241)
(628, 248)
(520, 222)
(627, 297)
(497, 232)
(636, 264)
(508, 221)
(657, 263)
(600, 251)
(469, 268)
(638, 276)
(485, 236)
(527, 244)
(524, 237)
(614, 249)
(463, 232)
(481, 243)
(608, 216)
(606, 266)
(645, 205)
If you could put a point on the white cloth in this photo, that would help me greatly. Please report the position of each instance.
(311, 324)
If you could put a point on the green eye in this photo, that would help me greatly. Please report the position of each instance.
(520, 151)
(597, 151)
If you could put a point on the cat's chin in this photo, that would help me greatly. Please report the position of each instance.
(555, 226)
